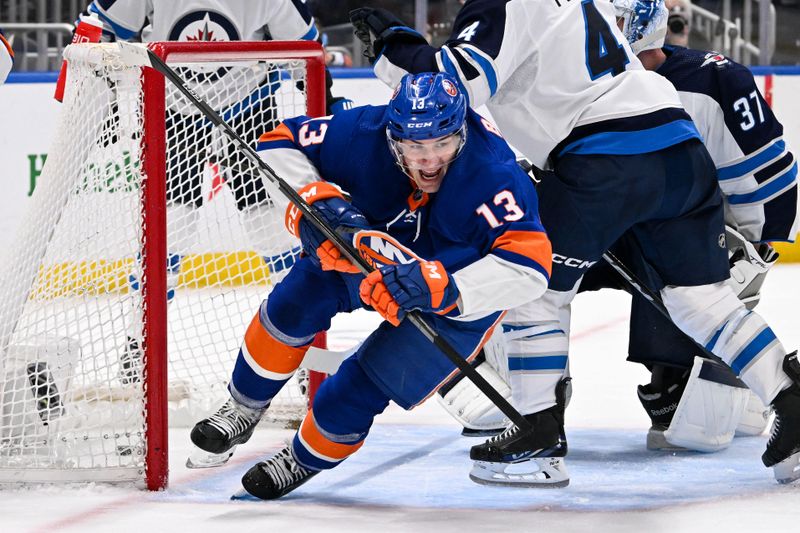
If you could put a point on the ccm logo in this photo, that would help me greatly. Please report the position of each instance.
(420, 125)
(572, 261)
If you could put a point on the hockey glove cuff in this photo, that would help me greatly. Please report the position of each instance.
(422, 285)
(338, 213)
(376, 27)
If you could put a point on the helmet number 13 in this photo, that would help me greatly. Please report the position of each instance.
(506, 199)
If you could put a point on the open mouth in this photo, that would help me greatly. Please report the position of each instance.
(430, 175)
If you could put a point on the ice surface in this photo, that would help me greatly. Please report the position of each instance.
(411, 475)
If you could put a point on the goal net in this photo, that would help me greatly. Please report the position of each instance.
(149, 245)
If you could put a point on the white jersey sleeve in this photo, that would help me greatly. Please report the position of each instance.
(542, 68)
(6, 58)
(205, 20)
(757, 171)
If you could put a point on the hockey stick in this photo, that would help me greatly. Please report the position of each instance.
(655, 299)
(138, 55)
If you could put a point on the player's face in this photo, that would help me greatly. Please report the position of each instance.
(427, 161)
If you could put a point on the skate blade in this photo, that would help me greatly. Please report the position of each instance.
(787, 470)
(243, 495)
(203, 459)
(543, 473)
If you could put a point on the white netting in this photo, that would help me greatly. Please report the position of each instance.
(71, 386)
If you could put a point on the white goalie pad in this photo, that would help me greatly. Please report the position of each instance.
(467, 404)
(709, 410)
(755, 417)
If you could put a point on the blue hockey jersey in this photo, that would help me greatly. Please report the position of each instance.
(757, 172)
(482, 223)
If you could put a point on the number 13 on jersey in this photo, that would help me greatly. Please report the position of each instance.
(507, 200)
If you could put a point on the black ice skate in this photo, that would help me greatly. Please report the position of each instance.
(660, 399)
(783, 448)
(520, 458)
(217, 436)
(275, 477)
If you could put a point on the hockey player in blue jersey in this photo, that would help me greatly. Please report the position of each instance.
(439, 205)
(567, 91)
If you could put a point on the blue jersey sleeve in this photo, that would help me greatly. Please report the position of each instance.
(301, 133)
(503, 219)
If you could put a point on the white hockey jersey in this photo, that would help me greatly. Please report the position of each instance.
(756, 170)
(557, 75)
(6, 58)
(205, 20)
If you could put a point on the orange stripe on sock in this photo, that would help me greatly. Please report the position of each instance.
(322, 445)
(269, 353)
(281, 133)
(532, 244)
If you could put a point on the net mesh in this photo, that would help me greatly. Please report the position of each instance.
(71, 328)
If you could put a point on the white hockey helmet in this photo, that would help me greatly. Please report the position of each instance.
(644, 23)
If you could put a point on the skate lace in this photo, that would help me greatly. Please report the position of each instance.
(283, 469)
(776, 431)
(229, 420)
(508, 433)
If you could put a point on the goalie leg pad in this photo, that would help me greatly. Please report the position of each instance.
(755, 418)
(466, 403)
(709, 409)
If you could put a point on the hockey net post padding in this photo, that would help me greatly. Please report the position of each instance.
(99, 342)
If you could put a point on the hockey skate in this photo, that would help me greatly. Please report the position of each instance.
(783, 448)
(524, 459)
(275, 477)
(660, 400)
(217, 436)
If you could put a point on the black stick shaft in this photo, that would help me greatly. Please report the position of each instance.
(653, 297)
(345, 247)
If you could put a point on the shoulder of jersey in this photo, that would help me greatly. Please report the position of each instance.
(703, 72)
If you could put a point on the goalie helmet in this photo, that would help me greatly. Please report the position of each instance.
(426, 106)
(644, 23)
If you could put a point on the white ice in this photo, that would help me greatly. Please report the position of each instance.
(411, 475)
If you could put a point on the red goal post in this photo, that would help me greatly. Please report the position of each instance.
(153, 148)
(101, 346)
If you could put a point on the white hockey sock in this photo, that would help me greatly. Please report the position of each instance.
(537, 343)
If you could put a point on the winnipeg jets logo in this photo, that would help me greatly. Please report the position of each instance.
(204, 26)
(717, 59)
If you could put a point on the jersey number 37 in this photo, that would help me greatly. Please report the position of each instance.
(604, 54)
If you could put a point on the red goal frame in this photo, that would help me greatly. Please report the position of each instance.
(154, 245)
